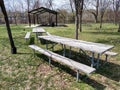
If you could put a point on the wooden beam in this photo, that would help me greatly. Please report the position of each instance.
(56, 20)
(29, 18)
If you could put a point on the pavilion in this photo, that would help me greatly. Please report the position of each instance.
(33, 15)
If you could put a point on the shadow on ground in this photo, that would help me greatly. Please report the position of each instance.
(84, 78)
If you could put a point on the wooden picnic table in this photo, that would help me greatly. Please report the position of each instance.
(39, 31)
(84, 45)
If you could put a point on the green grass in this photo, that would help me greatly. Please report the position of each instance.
(24, 71)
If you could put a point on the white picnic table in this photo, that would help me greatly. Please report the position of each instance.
(84, 45)
(39, 31)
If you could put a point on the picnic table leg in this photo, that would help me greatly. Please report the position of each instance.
(37, 36)
(92, 60)
(106, 58)
(98, 59)
(46, 44)
(49, 61)
(64, 47)
(70, 52)
(77, 75)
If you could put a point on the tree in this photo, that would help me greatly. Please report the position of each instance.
(36, 4)
(116, 7)
(13, 48)
(103, 4)
(14, 9)
(81, 3)
(72, 9)
(50, 4)
(119, 27)
(78, 15)
(76, 2)
(95, 13)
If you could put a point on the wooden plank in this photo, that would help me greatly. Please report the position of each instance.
(110, 53)
(89, 46)
(27, 36)
(38, 30)
(78, 66)
(48, 33)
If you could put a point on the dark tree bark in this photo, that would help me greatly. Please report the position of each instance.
(13, 48)
(116, 6)
(76, 18)
(103, 6)
(71, 5)
(81, 3)
(95, 4)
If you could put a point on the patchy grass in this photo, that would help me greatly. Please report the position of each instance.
(23, 71)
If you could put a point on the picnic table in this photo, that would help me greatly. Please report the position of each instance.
(97, 48)
(38, 30)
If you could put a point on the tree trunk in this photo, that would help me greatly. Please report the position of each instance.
(119, 27)
(76, 25)
(80, 12)
(15, 18)
(80, 23)
(76, 19)
(13, 48)
(100, 23)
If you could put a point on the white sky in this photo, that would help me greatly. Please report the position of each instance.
(57, 3)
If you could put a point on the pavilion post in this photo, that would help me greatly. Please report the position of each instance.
(34, 18)
(56, 19)
(37, 19)
(13, 48)
(29, 19)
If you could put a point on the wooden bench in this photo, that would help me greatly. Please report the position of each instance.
(27, 36)
(109, 53)
(79, 67)
(48, 33)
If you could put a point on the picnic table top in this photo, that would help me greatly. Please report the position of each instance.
(38, 30)
(85, 45)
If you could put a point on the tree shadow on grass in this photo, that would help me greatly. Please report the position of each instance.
(109, 70)
(32, 40)
(87, 80)
(104, 33)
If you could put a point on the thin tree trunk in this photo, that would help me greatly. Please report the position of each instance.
(15, 18)
(76, 19)
(80, 23)
(13, 48)
(101, 22)
(119, 27)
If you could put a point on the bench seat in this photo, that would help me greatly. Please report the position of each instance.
(47, 33)
(79, 67)
(27, 36)
(110, 53)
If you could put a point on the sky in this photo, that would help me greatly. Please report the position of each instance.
(57, 3)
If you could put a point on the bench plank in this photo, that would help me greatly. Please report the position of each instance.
(78, 66)
(111, 53)
(48, 33)
(27, 36)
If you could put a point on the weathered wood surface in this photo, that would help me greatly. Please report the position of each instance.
(27, 36)
(89, 46)
(110, 53)
(76, 65)
(48, 33)
(38, 30)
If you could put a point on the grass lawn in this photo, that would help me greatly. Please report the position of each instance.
(23, 71)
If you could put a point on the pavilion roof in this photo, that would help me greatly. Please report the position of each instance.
(42, 10)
